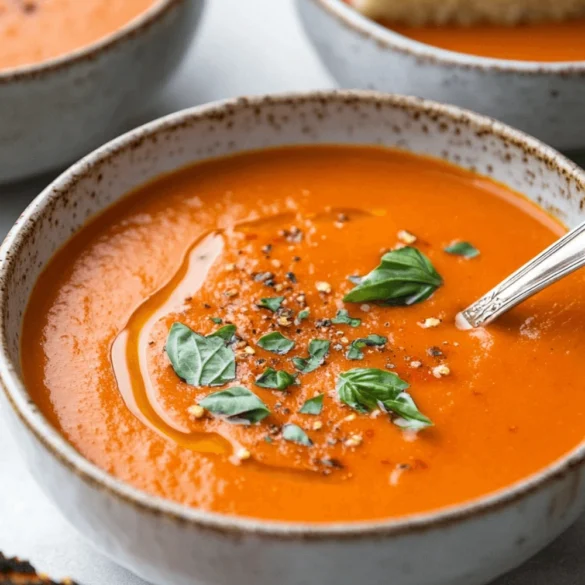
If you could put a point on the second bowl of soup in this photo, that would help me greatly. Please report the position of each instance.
(75, 74)
(530, 76)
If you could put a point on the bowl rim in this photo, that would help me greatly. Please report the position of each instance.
(129, 30)
(59, 448)
(386, 38)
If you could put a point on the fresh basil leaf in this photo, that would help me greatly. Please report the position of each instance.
(404, 277)
(216, 320)
(354, 352)
(302, 315)
(409, 416)
(237, 405)
(295, 434)
(276, 342)
(355, 349)
(271, 378)
(464, 249)
(343, 318)
(226, 332)
(318, 349)
(313, 405)
(200, 361)
(271, 303)
(364, 389)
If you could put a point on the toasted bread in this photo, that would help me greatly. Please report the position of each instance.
(13, 571)
(466, 12)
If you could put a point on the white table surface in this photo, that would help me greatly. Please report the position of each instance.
(243, 47)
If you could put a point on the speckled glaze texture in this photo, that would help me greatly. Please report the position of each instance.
(54, 112)
(543, 99)
(169, 544)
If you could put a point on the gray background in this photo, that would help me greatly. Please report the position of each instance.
(243, 47)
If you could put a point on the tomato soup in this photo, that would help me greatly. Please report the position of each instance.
(545, 42)
(32, 31)
(272, 335)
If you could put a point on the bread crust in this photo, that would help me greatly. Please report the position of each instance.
(14, 571)
(467, 12)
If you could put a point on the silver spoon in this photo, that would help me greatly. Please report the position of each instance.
(564, 256)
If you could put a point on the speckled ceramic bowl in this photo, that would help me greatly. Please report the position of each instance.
(544, 99)
(53, 112)
(170, 544)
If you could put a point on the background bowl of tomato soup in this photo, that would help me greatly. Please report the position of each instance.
(170, 543)
(542, 98)
(71, 81)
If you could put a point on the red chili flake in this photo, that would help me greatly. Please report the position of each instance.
(331, 462)
(419, 464)
(29, 7)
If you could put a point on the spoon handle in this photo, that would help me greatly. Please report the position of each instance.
(565, 256)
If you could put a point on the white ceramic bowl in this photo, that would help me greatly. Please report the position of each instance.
(544, 99)
(53, 112)
(170, 544)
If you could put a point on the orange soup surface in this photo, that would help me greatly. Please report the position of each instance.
(348, 410)
(545, 42)
(32, 31)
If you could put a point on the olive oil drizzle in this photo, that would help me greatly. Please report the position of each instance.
(130, 348)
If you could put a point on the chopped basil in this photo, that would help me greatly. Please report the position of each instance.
(365, 389)
(216, 320)
(318, 349)
(343, 318)
(200, 361)
(237, 405)
(271, 303)
(404, 277)
(226, 332)
(464, 249)
(271, 378)
(355, 349)
(276, 343)
(313, 405)
(409, 416)
(302, 315)
(295, 434)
